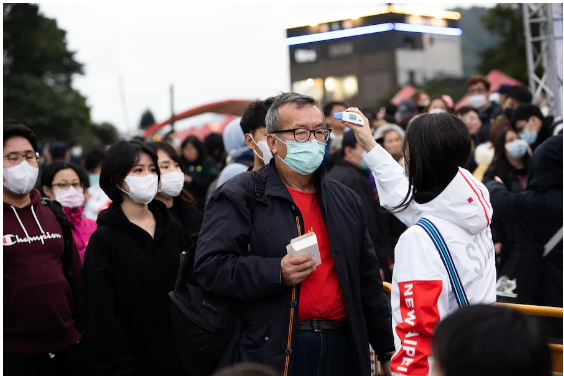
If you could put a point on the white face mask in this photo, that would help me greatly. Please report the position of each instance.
(437, 111)
(478, 100)
(172, 184)
(70, 198)
(142, 189)
(21, 179)
(266, 153)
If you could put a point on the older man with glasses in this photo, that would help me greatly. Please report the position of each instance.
(298, 318)
(41, 270)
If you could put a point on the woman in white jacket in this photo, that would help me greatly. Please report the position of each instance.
(445, 259)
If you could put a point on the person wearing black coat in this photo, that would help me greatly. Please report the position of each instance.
(349, 170)
(199, 169)
(241, 254)
(536, 214)
(130, 266)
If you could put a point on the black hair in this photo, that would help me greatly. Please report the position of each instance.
(525, 111)
(185, 196)
(438, 144)
(520, 94)
(52, 169)
(195, 141)
(329, 107)
(94, 158)
(500, 162)
(137, 138)
(485, 340)
(168, 135)
(466, 109)
(14, 129)
(118, 163)
(58, 150)
(254, 116)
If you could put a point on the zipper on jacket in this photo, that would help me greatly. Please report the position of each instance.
(291, 325)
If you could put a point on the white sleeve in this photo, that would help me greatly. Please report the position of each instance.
(392, 185)
(420, 299)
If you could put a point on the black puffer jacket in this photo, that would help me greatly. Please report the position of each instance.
(536, 215)
(239, 255)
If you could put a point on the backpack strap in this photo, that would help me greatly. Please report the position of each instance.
(66, 228)
(446, 258)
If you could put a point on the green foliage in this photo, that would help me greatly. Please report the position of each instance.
(475, 38)
(509, 54)
(38, 71)
(147, 119)
(106, 133)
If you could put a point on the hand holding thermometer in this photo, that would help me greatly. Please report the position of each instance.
(350, 117)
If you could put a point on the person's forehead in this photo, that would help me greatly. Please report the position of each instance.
(163, 156)
(477, 85)
(145, 160)
(307, 116)
(67, 174)
(20, 144)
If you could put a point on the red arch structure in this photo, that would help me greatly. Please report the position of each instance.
(234, 107)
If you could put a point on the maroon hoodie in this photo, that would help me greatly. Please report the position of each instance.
(39, 303)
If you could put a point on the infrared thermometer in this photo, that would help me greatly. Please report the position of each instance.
(350, 117)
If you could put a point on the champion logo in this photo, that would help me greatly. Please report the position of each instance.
(470, 200)
(13, 239)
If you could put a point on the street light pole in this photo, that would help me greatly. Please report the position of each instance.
(172, 107)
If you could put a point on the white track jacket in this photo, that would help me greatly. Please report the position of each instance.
(422, 294)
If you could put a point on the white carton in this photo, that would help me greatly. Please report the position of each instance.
(305, 245)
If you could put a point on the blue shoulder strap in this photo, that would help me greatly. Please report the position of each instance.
(444, 252)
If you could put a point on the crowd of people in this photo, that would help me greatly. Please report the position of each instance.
(171, 257)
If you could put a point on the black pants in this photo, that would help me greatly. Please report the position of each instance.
(323, 354)
(69, 362)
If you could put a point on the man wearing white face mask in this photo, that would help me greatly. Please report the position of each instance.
(477, 89)
(130, 266)
(254, 127)
(291, 310)
(41, 270)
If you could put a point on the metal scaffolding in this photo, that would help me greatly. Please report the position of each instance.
(543, 39)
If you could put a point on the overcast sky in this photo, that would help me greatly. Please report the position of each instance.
(209, 52)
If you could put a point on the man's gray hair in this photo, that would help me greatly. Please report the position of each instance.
(273, 121)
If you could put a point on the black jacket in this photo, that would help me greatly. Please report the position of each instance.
(203, 173)
(126, 279)
(537, 215)
(488, 116)
(357, 180)
(189, 217)
(239, 255)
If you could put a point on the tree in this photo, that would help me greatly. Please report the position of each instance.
(38, 72)
(106, 133)
(505, 21)
(147, 119)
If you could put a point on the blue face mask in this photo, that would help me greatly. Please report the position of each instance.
(94, 179)
(529, 137)
(517, 148)
(363, 163)
(303, 157)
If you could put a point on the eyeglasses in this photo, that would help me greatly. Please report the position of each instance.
(66, 185)
(303, 135)
(16, 158)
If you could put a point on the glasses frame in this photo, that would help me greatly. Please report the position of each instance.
(81, 186)
(21, 157)
(310, 131)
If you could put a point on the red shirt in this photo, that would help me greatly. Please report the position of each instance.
(321, 296)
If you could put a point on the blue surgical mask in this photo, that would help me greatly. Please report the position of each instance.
(304, 157)
(517, 148)
(529, 137)
(363, 163)
(94, 179)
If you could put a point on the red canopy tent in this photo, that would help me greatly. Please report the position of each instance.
(496, 79)
(233, 107)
